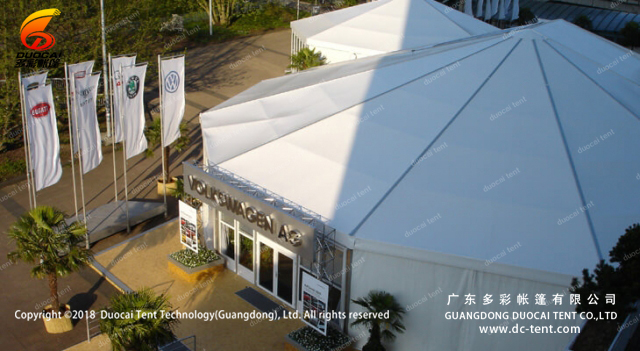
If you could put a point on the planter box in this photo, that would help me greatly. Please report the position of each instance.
(292, 345)
(194, 275)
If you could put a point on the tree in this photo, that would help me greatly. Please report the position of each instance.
(43, 238)
(631, 34)
(380, 328)
(222, 10)
(621, 279)
(143, 331)
(584, 22)
(307, 58)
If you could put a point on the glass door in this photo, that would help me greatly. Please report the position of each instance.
(276, 270)
(245, 254)
(228, 240)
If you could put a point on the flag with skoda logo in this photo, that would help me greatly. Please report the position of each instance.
(116, 65)
(132, 110)
(173, 101)
(86, 121)
(43, 136)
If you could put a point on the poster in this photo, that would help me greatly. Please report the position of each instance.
(188, 226)
(315, 296)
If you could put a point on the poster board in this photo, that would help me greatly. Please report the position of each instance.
(315, 299)
(188, 226)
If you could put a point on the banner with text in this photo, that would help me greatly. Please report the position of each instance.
(188, 226)
(86, 117)
(133, 109)
(116, 64)
(43, 136)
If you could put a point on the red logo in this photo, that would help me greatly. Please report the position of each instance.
(34, 26)
(40, 110)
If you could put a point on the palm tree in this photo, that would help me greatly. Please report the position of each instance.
(307, 58)
(141, 332)
(381, 328)
(43, 238)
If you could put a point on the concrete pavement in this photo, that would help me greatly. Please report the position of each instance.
(214, 73)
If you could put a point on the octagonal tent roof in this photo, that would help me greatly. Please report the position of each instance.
(387, 25)
(525, 137)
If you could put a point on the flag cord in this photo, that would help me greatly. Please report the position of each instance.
(164, 171)
(27, 159)
(113, 130)
(124, 160)
(80, 150)
(73, 167)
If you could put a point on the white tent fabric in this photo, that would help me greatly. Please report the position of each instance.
(460, 145)
(384, 26)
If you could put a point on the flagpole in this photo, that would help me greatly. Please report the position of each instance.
(73, 167)
(80, 151)
(31, 172)
(164, 172)
(124, 156)
(24, 139)
(113, 134)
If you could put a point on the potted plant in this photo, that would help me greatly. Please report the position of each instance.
(154, 137)
(195, 266)
(128, 330)
(44, 238)
(380, 328)
(305, 59)
(307, 339)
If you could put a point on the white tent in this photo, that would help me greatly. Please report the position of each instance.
(503, 163)
(383, 26)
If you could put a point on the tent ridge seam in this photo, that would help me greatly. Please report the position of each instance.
(366, 100)
(566, 148)
(404, 174)
(593, 81)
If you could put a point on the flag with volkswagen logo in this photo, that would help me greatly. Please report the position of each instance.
(173, 101)
(43, 136)
(132, 111)
(86, 117)
(116, 65)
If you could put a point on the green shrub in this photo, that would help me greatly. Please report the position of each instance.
(192, 260)
(11, 168)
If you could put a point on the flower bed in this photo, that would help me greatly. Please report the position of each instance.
(192, 260)
(308, 339)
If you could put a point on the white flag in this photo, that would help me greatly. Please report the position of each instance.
(116, 64)
(468, 7)
(34, 79)
(80, 70)
(515, 10)
(173, 101)
(133, 109)
(86, 118)
(479, 8)
(43, 136)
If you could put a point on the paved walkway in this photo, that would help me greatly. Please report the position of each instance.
(142, 262)
(214, 73)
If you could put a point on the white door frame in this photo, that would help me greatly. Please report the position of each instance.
(259, 238)
(229, 262)
(242, 270)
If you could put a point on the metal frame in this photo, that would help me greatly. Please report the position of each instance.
(324, 235)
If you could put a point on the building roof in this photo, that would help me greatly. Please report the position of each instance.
(525, 137)
(388, 25)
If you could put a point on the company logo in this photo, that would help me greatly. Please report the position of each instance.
(85, 92)
(172, 82)
(80, 74)
(133, 85)
(34, 26)
(40, 110)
